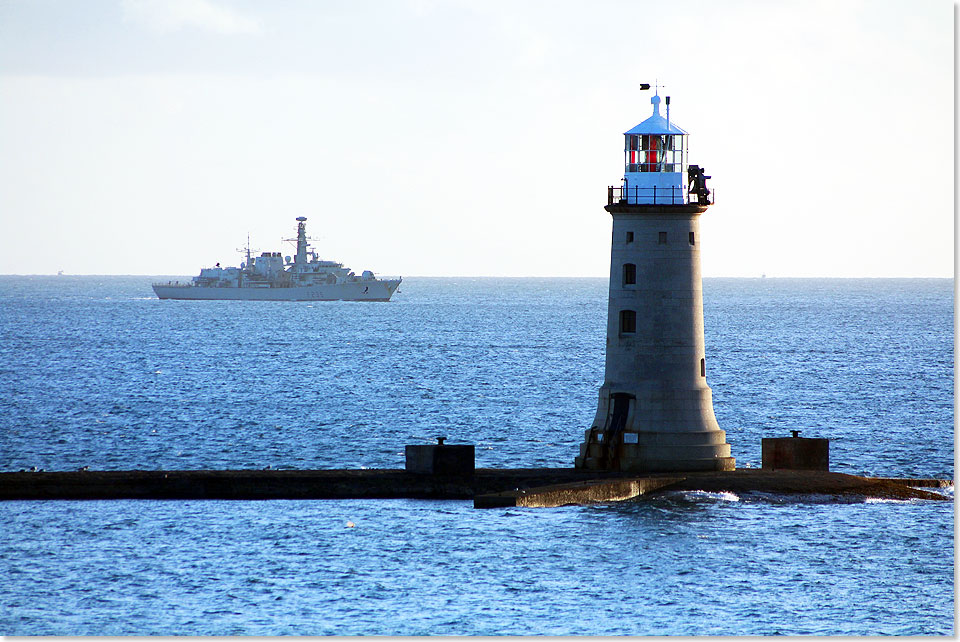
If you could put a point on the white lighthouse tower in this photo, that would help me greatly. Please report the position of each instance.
(655, 411)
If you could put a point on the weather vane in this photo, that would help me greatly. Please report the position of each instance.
(656, 86)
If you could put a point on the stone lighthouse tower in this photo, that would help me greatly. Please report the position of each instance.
(655, 411)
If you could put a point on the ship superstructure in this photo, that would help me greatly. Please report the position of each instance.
(273, 277)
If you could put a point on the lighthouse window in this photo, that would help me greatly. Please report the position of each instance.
(662, 240)
(691, 239)
(629, 237)
(628, 321)
(669, 155)
(629, 274)
(703, 367)
(633, 154)
(654, 153)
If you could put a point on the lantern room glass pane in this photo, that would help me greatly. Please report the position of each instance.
(655, 153)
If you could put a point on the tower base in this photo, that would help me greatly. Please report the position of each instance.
(654, 430)
(714, 464)
(657, 452)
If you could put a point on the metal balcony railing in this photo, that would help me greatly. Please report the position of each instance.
(657, 196)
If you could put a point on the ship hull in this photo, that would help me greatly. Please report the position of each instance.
(380, 290)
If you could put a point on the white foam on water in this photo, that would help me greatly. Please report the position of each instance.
(724, 496)
(946, 491)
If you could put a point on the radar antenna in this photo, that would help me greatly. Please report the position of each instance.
(246, 249)
(309, 238)
(302, 242)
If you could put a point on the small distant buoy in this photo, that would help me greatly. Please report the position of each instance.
(350, 524)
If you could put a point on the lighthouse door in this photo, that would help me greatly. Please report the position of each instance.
(613, 431)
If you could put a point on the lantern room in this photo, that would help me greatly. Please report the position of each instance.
(655, 160)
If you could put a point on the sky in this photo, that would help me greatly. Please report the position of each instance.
(470, 138)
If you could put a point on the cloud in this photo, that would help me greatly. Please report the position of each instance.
(173, 15)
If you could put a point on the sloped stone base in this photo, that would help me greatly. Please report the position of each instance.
(642, 452)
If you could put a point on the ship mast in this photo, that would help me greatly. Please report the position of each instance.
(245, 267)
(301, 241)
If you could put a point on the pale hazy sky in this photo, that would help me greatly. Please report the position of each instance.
(469, 138)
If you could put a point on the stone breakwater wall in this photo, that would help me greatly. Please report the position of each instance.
(269, 484)
(400, 484)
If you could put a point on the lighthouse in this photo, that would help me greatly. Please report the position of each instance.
(655, 409)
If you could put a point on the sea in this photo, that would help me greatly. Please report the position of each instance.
(96, 371)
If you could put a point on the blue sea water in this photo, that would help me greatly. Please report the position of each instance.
(95, 371)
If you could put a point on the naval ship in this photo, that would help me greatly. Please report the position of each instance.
(270, 277)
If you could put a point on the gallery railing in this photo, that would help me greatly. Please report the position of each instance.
(657, 196)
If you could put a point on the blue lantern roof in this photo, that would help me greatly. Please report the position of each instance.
(656, 124)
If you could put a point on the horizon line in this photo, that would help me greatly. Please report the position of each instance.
(524, 276)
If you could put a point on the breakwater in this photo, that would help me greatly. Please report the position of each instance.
(389, 483)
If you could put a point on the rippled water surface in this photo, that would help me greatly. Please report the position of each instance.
(96, 372)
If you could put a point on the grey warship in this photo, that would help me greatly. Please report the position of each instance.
(270, 277)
